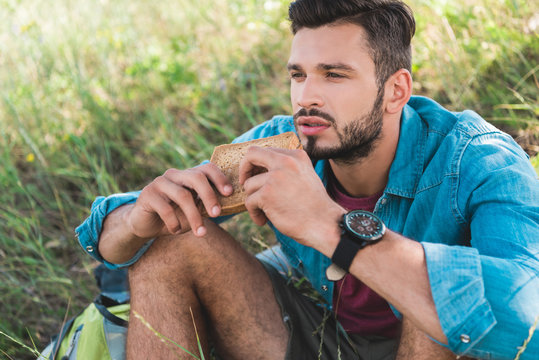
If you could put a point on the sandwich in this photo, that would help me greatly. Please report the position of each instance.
(227, 157)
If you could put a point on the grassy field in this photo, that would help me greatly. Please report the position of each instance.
(102, 96)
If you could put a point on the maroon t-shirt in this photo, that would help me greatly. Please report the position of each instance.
(359, 309)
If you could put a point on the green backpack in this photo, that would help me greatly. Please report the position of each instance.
(100, 330)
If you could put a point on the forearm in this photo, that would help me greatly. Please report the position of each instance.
(395, 268)
(117, 243)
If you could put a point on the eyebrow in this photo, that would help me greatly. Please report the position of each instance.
(292, 67)
(325, 67)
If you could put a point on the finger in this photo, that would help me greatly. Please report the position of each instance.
(167, 213)
(298, 154)
(268, 158)
(217, 178)
(199, 183)
(205, 180)
(255, 212)
(255, 157)
(162, 202)
(255, 183)
(183, 198)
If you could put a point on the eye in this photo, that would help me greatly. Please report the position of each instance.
(334, 75)
(296, 75)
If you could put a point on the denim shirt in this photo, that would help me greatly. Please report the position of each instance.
(468, 193)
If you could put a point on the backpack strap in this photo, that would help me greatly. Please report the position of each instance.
(102, 302)
(65, 329)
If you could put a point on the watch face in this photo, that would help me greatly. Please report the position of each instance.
(365, 225)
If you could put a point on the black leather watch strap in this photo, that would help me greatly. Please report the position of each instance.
(345, 252)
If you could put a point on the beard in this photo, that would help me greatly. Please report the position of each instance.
(357, 139)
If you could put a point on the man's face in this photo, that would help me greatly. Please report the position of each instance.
(336, 102)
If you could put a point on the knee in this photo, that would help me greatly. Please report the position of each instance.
(415, 344)
(175, 255)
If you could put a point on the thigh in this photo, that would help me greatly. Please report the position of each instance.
(222, 285)
(415, 344)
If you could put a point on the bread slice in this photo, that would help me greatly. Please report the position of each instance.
(227, 157)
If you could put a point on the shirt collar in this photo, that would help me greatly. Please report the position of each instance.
(408, 164)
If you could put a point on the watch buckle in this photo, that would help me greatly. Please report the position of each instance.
(335, 273)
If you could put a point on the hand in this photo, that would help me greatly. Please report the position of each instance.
(290, 195)
(168, 205)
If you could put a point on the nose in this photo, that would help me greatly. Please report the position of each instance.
(308, 94)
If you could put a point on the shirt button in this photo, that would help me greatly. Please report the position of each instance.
(90, 248)
(324, 288)
(465, 338)
(384, 200)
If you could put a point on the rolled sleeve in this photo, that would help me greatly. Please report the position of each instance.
(89, 231)
(486, 305)
(464, 312)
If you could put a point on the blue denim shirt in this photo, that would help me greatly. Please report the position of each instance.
(468, 193)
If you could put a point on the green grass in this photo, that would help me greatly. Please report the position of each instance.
(101, 96)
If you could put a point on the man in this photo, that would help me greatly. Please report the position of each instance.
(447, 231)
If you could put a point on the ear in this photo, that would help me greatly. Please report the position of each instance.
(398, 90)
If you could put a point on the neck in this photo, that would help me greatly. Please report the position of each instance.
(369, 175)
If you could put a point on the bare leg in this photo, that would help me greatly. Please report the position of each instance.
(227, 289)
(416, 345)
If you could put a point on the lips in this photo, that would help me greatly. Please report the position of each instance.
(312, 121)
(312, 125)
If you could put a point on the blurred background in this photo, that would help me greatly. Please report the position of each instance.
(102, 96)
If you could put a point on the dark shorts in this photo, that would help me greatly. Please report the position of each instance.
(316, 334)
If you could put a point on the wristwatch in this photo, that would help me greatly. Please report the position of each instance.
(359, 228)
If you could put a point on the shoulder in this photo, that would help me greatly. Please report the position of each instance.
(275, 126)
(488, 166)
(472, 160)
(462, 137)
(484, 148)
(444, 122)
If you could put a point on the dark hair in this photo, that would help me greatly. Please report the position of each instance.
(389, 25)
